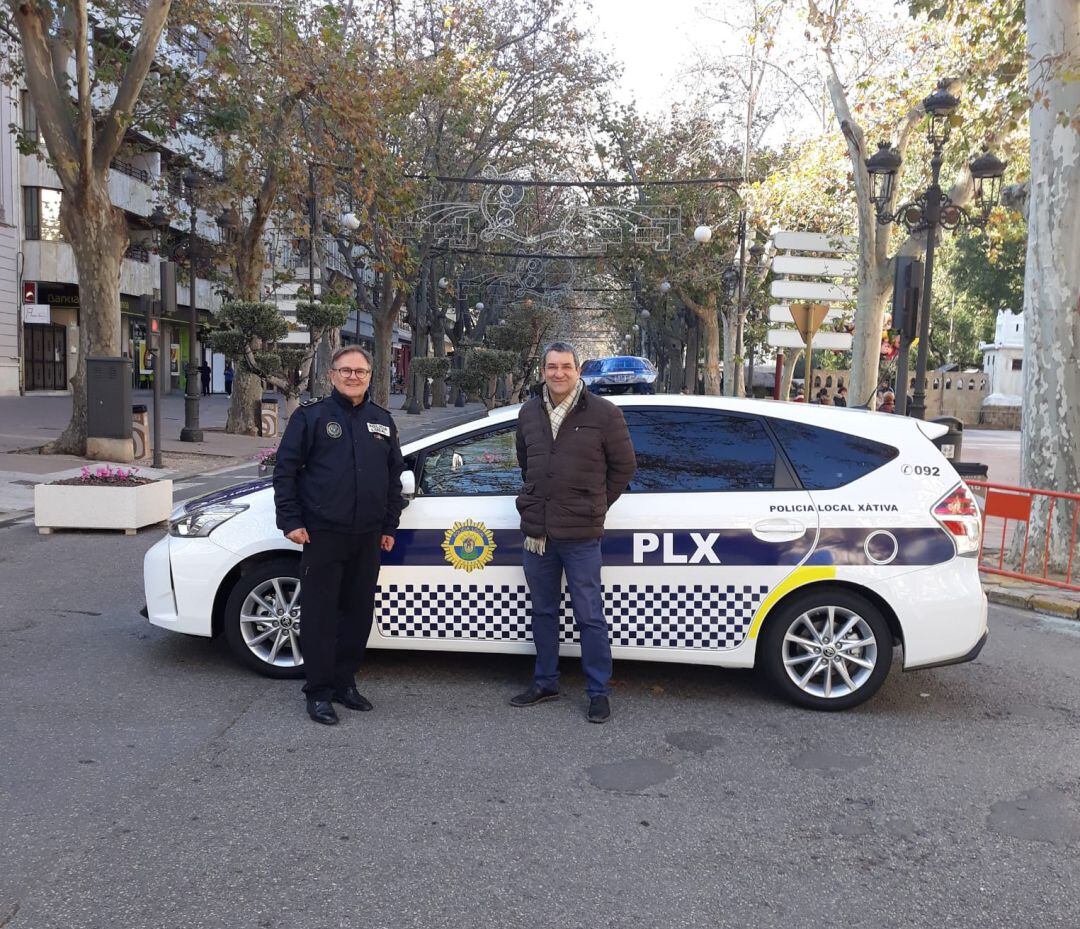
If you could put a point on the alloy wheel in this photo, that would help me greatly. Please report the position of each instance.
(829, 651)
(270, 622)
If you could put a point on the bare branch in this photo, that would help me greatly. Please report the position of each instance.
(119, 116)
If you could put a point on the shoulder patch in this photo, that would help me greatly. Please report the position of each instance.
(311, 401)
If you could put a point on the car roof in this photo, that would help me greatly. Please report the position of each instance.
(881, 427)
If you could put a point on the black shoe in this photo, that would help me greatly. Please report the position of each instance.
(599, 709)
(534, 695)
(353, 699)
(322, 711)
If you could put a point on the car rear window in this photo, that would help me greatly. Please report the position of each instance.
(702, 451)
(826, 458)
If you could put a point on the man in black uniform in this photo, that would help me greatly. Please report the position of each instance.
(337, 490)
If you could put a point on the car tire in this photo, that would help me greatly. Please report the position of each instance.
(260, 638)
(644, 389)
(802, 660)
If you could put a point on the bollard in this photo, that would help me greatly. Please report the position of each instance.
(140, 432)
(268, 416)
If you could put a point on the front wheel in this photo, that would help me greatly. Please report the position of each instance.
(827, 649)
(262, 619)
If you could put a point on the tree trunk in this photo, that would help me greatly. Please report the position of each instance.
(383, 330)
(1050, 438)
(676, 373)
(710, 334)
(790, 360)
(244, 416)
(438, 335)
(98, 235)
(693, 350)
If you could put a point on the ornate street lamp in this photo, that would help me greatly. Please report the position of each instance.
(882, 166)
(703, 234)
(929, 213)
(191, 431)
(665, 286)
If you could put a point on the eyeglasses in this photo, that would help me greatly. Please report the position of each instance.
(353, 372)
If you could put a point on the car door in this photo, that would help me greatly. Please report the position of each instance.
(454, 579)
(713, 522)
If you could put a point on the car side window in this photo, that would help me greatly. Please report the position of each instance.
(826, 458)
(474, 464)
(704, 451)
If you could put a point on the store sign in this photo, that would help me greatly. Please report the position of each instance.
(37, 313)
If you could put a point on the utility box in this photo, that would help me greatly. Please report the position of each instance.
(140, 431)
(268, 419)
(951, 444)
(108, 398)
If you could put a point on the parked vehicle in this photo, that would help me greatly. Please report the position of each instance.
(804, 541)
(619, 375)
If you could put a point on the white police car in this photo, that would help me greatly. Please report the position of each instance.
(802, 540)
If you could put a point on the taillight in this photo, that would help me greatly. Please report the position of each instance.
(958, 513)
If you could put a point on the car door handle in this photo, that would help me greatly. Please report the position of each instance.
(778, 530)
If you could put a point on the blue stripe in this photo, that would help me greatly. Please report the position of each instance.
(733, 547)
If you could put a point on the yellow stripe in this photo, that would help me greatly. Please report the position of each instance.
(797, 578)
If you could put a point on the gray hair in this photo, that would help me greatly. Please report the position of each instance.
(348, 349)
(559, 347)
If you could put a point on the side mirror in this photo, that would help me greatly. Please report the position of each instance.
(408, 483)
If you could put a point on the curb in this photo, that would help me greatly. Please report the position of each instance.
(1039, 601)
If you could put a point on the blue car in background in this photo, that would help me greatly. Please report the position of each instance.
(620, 374)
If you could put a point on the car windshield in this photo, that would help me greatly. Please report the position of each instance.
(611, 365)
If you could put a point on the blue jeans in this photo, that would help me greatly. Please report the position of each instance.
(544, 573)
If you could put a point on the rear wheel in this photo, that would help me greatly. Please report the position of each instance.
(262, 619)
(827, 649)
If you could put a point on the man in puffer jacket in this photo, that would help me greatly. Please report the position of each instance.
(576, 459)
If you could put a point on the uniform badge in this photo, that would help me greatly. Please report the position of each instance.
(379, 429)
(469, 545)
(333, 430)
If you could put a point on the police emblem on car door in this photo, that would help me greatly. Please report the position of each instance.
(455, 571)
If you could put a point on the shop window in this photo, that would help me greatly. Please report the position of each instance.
(1017, 364)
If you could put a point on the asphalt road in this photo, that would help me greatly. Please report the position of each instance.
(148, 781)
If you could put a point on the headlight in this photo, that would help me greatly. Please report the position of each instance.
(199, 523)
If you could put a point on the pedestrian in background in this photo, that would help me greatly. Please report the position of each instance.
(337, 492)
(576, 459)
(841, 396)
(204, 376)
(888, 402)
(228, 378)
(822, 397)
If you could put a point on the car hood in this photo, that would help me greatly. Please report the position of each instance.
(228, 494)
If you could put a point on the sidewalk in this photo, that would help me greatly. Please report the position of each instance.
(27, 423)
(1042, 598)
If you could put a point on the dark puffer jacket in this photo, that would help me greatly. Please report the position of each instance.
(570, 483)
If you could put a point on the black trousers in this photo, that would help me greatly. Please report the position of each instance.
(338, 574)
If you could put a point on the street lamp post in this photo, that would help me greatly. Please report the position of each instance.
(191, 431)
(932, 211)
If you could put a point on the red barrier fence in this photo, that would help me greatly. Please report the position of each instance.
(1032, 524)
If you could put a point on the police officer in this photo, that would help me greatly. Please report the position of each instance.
(337, 491)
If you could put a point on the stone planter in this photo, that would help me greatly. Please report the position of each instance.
(86, 506)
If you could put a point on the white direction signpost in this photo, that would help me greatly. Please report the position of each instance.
(814, 288)
(780, 313)
(790, 338)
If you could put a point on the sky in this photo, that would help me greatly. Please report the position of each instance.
(652, 40)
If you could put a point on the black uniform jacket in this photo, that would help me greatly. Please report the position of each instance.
(339, 468)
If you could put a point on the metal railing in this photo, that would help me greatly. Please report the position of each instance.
(137, 253)
(130, 170)
(1023, 529)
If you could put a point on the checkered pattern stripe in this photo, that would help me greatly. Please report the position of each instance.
(652, 615)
